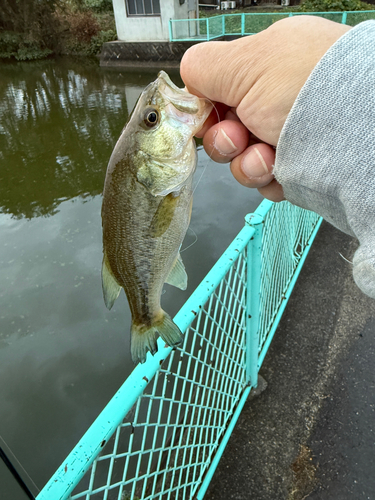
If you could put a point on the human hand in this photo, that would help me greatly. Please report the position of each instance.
(254, 82)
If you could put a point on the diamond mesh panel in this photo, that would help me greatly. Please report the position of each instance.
(165, 446)
(354, 18)
(249, 23)
(254, 23)
(166, 443)
(286, 233)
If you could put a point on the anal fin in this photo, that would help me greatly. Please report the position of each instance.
(177, 276)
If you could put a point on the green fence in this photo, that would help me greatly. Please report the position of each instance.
(214, 27)
(163, 433)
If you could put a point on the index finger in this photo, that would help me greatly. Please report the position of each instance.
(218, 114)
(217, 70)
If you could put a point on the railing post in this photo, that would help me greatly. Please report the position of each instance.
(254, 264)
(208, 30)
(170, 30)
(242, 24)
(344, 15)
(223, 24)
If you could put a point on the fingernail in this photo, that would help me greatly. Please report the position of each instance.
(253, 164)
(223, 143)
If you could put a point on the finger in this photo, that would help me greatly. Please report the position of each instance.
(254, 167)
(273, 191)
(218, 114)
(205, 68)
(225, 140)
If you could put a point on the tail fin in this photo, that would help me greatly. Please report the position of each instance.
(144, 338)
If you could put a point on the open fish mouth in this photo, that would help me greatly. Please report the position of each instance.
(183, 101)
(186, 107)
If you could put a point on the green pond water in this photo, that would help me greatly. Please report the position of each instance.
(62, 354)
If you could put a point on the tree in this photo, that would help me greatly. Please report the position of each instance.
(28, 28)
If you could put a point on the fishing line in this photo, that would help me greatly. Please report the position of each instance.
(203, 171)
(200, 178)
(210, 155)
(218, 120)
(14, 471)
(193, 243)
(341, 255)
(213, 105)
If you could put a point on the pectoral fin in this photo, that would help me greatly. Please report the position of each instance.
(177, 276)
(163, 215)
(111, 289)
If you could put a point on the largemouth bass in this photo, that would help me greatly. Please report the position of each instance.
(146, 208)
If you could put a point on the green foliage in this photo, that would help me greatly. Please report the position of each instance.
(9, 43)
(15, 45)
(28, 28)
(98, 6)
(333, 5)
(35, 29)
(26, 16)
(102, 37)
(83, 26)
(87, 32)
(73, 46)
(255, 23)
(29, 52)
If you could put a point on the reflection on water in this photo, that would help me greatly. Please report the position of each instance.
(62, 354)
(50, 114)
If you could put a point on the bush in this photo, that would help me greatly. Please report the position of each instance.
(98, 6)
(83, 26)
(333, 5)
(98, 40)
(28, 28)
(18, 46)
(34, 29)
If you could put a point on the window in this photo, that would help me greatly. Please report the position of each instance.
(143, 7)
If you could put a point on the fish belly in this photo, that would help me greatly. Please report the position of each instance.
(142, 235)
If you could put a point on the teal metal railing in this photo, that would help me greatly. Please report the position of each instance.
(210, 28)
(164, 431)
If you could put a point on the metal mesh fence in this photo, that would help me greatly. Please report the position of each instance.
(248, 23)
(163, 447)
(285, 238)
(255, 23)
(163, 433)
(354, 18)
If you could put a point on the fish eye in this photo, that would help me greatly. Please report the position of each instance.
(151, 117)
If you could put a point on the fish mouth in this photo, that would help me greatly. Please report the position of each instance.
(189, 108)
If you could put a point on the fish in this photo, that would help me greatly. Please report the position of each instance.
(146, 209)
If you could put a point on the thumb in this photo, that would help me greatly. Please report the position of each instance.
(208, 70)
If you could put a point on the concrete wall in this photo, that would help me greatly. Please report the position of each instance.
(151, 28)
(143, 54)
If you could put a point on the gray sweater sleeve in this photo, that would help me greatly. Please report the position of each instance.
(325, 157)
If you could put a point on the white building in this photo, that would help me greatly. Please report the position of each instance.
(148, 20)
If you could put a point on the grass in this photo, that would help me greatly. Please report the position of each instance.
(256, 23)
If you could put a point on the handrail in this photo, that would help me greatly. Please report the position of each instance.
(199, 29)
(167, 426)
